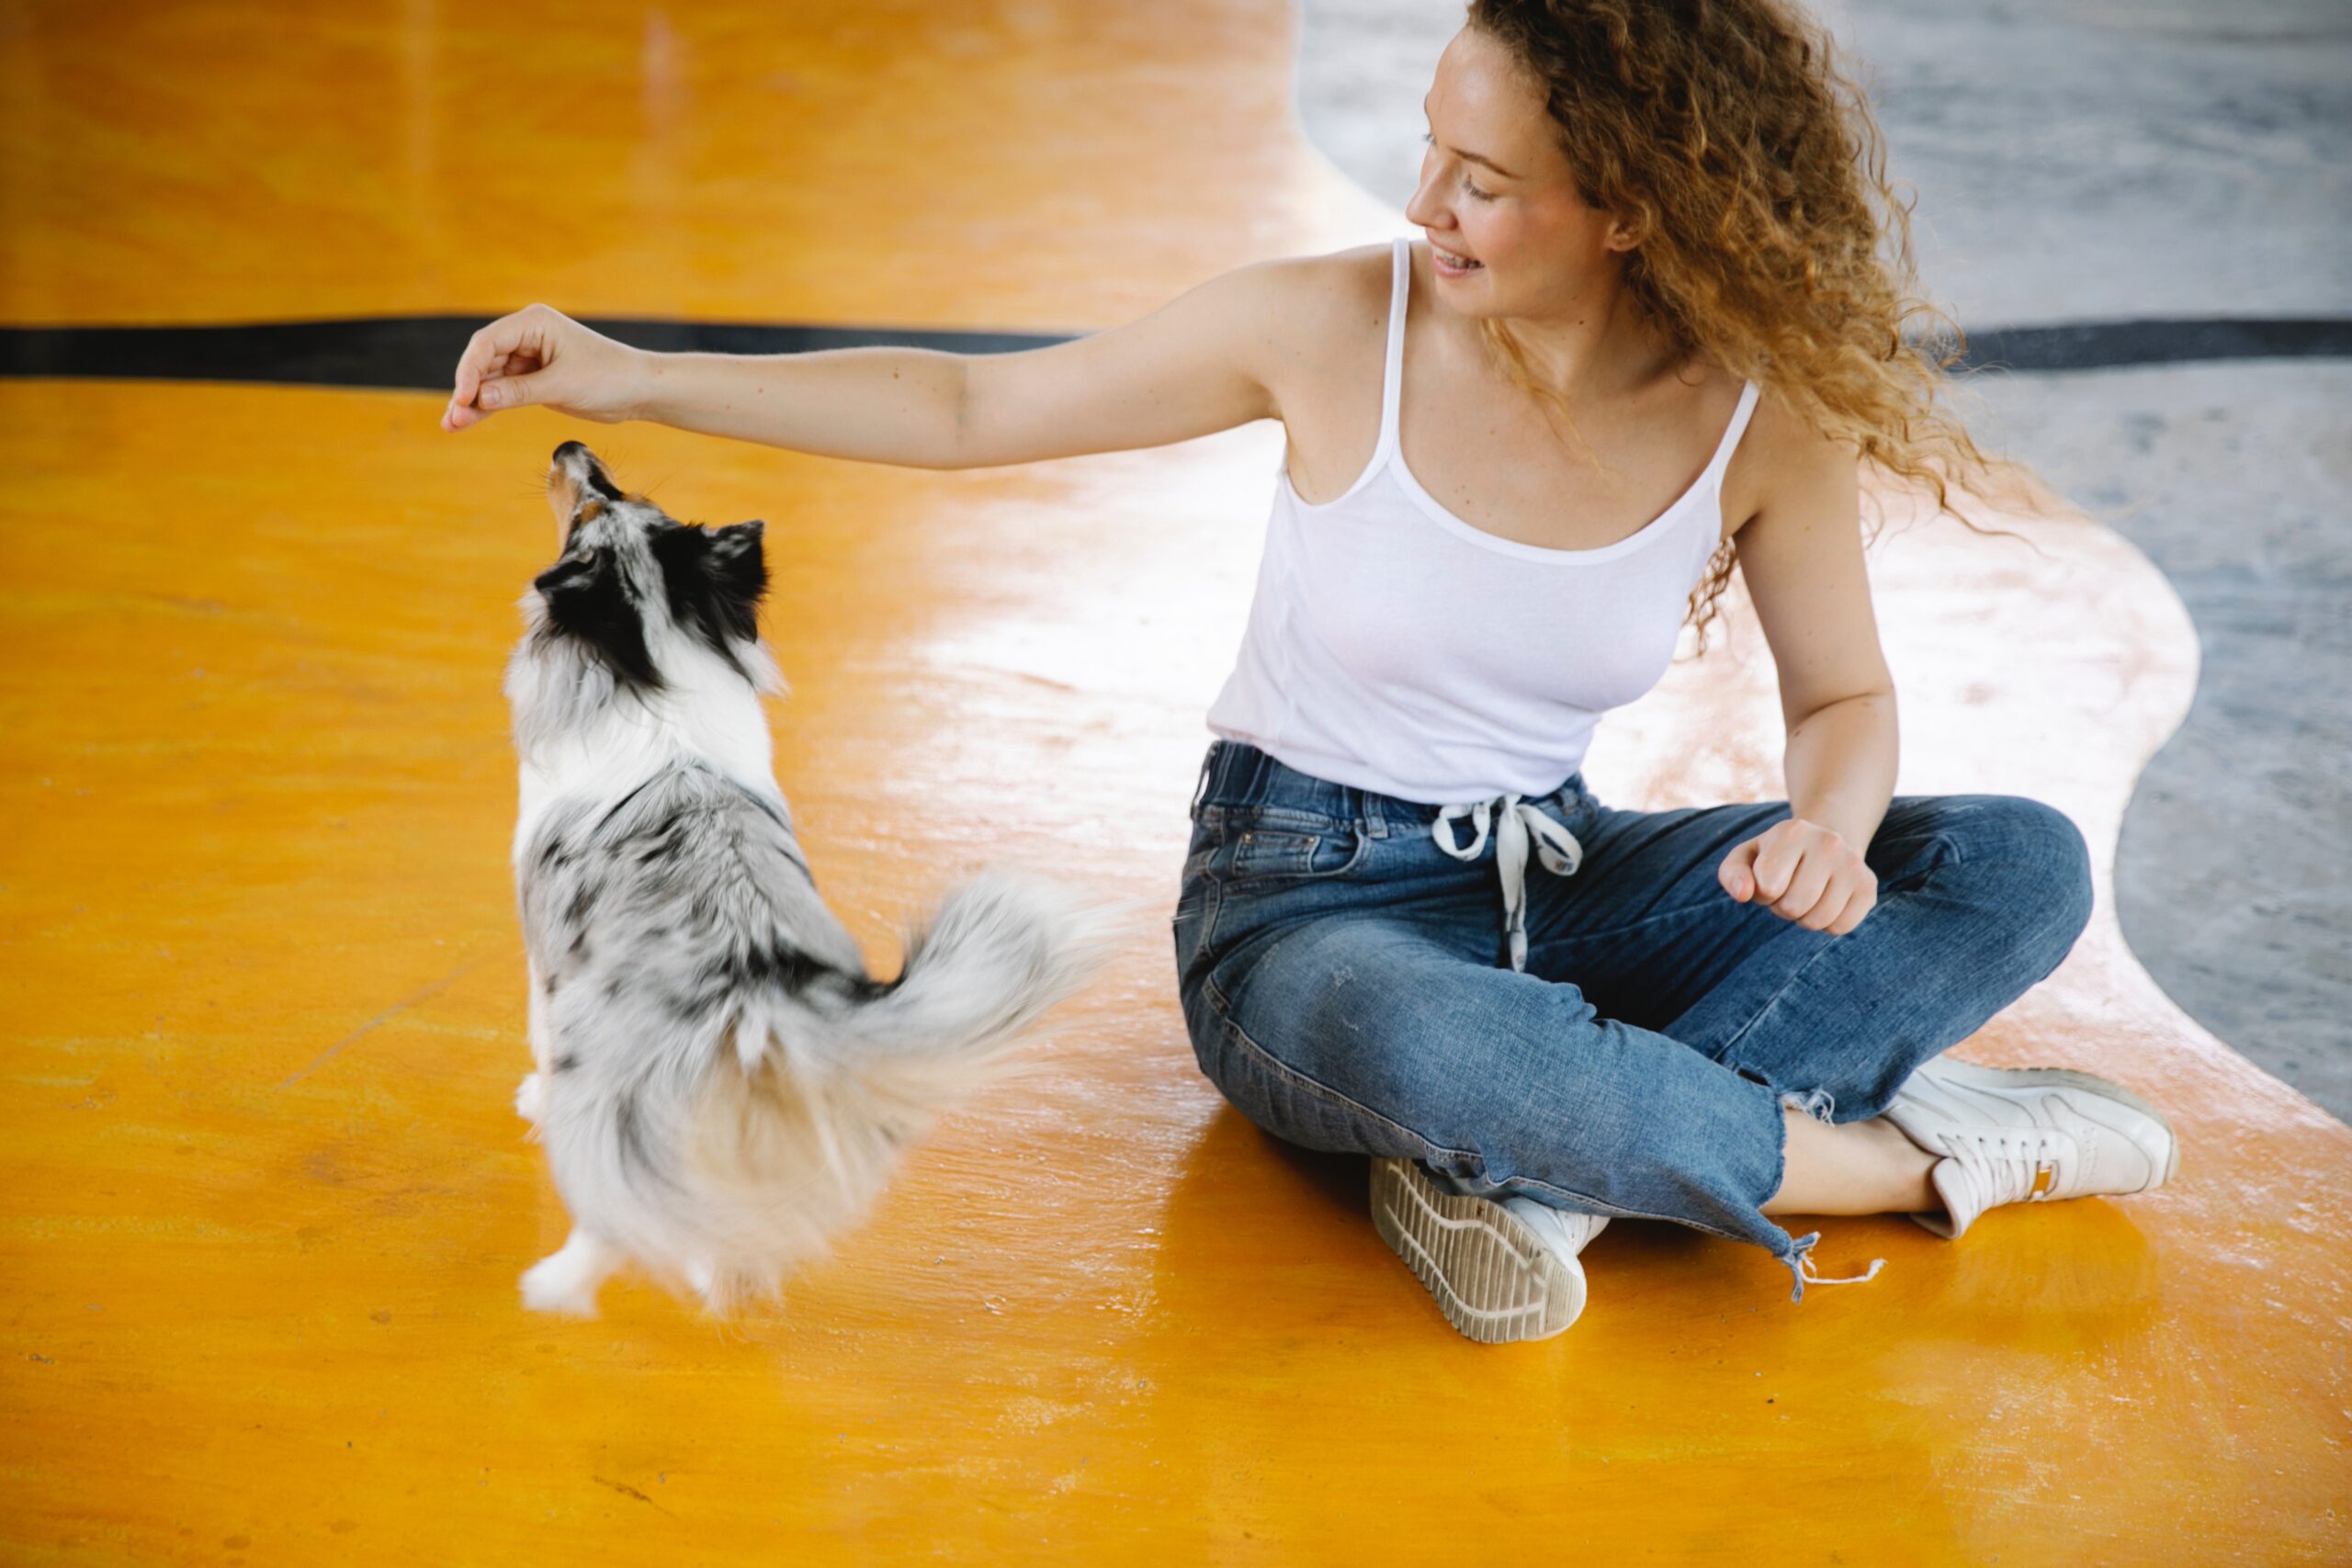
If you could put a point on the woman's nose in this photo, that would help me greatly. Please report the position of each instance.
(1425, 207)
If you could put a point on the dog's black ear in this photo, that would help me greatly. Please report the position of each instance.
(738, 572)
(586, 599)
(715, 578)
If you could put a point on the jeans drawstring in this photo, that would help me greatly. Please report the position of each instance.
(1513, 821)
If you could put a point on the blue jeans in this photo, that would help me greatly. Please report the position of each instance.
(1346, 985)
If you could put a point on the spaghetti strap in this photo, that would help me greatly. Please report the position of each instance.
(1748, 394)
(1392, 380)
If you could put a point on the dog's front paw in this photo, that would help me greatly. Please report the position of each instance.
(531, 1099)
(566, 1279)
(555, 1284)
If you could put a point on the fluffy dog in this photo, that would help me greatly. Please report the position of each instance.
(721, 1089)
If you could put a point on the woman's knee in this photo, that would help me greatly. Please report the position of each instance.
(1368, 1027)
(2036, 858)
(1286, 1090)
(1285, 1028)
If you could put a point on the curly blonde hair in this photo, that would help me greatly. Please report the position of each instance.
(1744, 163)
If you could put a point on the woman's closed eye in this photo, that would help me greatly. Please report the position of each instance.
(1474, 190)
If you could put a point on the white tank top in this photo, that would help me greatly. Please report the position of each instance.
(1393, 647)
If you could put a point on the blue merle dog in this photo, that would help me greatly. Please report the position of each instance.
(721, 1089)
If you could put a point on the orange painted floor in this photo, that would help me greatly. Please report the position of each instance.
(261, 992)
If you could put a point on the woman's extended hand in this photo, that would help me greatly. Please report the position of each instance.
(1810, 873)
(540, 356)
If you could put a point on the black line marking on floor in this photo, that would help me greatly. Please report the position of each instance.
(414, 353)
(419, 353)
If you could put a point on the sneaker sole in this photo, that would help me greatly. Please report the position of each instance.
(2012, 1078)
(1492, 1277)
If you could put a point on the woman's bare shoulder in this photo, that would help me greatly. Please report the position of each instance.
(1331, 305)
(1781, 463)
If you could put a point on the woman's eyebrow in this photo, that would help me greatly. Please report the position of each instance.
(1470, 157)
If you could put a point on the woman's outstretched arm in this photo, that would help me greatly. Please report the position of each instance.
(1206, 362)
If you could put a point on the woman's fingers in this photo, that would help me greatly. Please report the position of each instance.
(1738, 872)
(1806, 886)
(505, 347)
(540, 356)
(1857, 909)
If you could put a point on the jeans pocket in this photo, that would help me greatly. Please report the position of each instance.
(1262, 853)
(1265, 846)
(1274, 868)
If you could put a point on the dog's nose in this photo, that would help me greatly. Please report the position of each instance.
(581, 466)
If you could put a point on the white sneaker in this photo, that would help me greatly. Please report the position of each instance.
(2028, 1134)
(1499, 1268)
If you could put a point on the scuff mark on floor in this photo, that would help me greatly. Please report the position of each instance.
(628, 1490)
(402, 1006)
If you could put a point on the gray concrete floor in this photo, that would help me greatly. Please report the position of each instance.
(2078, 162)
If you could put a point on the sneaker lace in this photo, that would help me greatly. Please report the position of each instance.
(2011, 1164)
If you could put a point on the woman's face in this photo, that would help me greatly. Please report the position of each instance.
(1513, 208)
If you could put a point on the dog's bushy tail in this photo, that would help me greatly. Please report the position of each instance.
(793, 1156)
(1001, 951)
